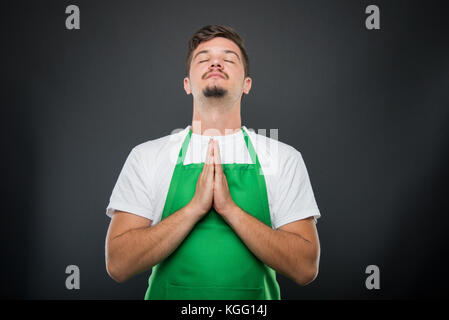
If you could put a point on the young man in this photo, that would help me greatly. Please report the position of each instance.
(196, 206)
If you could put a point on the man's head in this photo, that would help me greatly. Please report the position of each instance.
(217, 64)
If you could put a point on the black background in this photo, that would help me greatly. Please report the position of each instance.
(368, 110)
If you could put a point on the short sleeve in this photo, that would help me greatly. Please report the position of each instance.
(294, 197)
(132, 192)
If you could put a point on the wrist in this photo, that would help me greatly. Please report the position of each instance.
(229, 211)
(193, 211)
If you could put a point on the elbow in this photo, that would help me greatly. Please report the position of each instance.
(307, 276)
(115, 272)
(116, 265)
(309, 271)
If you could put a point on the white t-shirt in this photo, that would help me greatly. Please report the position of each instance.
(144, 180)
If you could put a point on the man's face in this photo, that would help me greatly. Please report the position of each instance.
(217, 71)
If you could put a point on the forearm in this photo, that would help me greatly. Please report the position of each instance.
(140, 249)
(286, 252)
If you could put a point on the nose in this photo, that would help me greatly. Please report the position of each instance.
(215, 63)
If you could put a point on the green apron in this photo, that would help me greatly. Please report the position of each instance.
(212, 262)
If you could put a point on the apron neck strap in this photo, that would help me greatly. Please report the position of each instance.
(249, 145)
(183, 151)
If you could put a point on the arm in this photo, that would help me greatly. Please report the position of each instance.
(133, 245)
(293, 250)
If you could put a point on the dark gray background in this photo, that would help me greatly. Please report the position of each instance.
(368, 110)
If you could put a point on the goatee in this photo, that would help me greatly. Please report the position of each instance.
(214, 92)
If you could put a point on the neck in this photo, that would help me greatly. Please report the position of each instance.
(215, 119)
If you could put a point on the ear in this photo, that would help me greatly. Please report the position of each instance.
(187, 88)
(247, 85)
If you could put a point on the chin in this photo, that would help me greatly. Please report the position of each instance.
(214, 92)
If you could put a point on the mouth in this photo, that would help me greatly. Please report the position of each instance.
(215, 75)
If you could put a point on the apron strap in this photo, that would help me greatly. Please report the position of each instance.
(183, 151)
(249, 145)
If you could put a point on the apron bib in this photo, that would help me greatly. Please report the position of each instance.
(212, 262)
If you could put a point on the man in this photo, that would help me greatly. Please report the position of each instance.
(196, 206)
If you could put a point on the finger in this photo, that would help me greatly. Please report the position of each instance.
(204, 172)
(209, 165)
(217, 159)
(208, 155)
(209, 151)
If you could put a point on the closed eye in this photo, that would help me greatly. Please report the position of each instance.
(203, 61)
(229, 61)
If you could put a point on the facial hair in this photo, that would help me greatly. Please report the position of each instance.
(214, 92)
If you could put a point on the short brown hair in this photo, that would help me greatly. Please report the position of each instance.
(212, 31)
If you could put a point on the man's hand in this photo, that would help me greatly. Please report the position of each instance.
(222, 201)
(204, 193)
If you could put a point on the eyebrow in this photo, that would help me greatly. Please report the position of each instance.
(207, 51)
